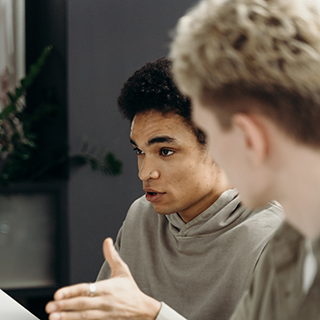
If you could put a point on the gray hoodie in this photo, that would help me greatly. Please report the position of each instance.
(199, 268)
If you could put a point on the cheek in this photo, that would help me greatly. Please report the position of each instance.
(181, 179)
(193, 177)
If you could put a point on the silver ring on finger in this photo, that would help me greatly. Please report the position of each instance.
(92, 289)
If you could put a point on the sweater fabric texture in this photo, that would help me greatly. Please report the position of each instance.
(200, 268)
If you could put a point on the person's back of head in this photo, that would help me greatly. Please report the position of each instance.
(151, 88)
(265, 49)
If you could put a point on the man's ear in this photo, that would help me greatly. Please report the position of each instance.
(255, 138)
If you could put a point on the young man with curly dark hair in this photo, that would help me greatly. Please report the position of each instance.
(189, 241)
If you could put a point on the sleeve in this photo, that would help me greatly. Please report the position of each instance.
(256, 302)
(241, 311)
(105, 271)
(166, 313)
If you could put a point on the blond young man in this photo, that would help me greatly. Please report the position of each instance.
(252, 70)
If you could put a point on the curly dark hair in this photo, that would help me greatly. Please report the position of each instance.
(152, 88)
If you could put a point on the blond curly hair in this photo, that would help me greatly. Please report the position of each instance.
(266, 48)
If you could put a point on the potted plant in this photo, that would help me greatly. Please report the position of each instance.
(21, 159)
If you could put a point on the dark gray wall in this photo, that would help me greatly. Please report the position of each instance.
(107, 41)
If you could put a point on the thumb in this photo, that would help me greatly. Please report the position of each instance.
(118, 267)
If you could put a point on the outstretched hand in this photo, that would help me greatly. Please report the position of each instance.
(116, 298)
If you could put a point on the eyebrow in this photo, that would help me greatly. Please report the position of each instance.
(161, 139)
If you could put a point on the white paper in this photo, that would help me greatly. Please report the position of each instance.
(12, 310)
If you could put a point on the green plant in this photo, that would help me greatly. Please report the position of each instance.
(21, 157)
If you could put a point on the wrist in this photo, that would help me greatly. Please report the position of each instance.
(152, 307)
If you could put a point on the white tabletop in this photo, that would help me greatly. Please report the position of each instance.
(12, 310)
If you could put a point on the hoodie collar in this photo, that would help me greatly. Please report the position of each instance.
(225, 211)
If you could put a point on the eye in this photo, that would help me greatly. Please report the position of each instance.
(166, 152)
(138, 151)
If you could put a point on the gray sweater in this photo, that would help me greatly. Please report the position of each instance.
(199, 268)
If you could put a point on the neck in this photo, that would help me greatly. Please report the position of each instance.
(298, 189)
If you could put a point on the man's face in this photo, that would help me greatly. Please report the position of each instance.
(229, 149)
(178, 174)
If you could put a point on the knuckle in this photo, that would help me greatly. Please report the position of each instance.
(63, 316)
(104, 304)
(85, 291)
(82, 303)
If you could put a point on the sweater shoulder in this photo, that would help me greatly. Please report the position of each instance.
(271, 216)
(259, 227)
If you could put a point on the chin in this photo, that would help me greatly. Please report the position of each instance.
(160, 210)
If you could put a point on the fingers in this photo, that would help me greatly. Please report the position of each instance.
(118, 267)
(70, 308)
(75, 302)
(77, 290)
(76, 315)
(109, 250)
(80, 303)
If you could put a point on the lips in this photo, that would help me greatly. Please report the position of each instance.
(152, 195)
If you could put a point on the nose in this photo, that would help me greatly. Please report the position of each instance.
(147, 170)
